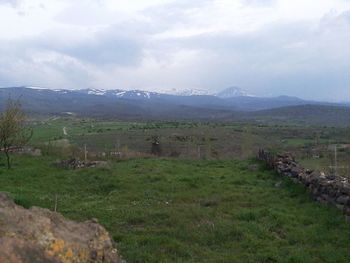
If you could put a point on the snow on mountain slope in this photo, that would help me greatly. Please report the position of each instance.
(233, 92)
(96, 92)
(57, 100)
(127, 94)
(185, 92)
(130, 94)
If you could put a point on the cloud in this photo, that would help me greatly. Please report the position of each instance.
(107, 47)
(209, 44)
(301, 58)
(10, 2)
(28, 65)
(262, 3)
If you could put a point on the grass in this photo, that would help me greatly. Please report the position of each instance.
(167, 210)
(216, 140)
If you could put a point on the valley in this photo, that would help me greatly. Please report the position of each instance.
(181, 182)
(174, 131)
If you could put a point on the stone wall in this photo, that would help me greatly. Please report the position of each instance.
(327, 189)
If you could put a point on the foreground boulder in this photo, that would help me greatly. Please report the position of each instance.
(39, 235)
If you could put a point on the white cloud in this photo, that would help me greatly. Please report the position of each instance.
(293, 47)
(9, 2)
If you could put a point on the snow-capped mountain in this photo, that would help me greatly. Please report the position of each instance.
(133, 94)
(129, 94)
(141, 94)
(95, 91)
(140, 103)
(185, 92)
(232, 92)
(192, 92)
(126, 94)
(227, 93)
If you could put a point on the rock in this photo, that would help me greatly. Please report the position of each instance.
(321, 200)
(19, 251)
(39, 235)
(308, 171)
(340, 207)
(346, 190)
(295, 171)
(326, 189)
(94, 220)
(74, 163)
(343, 199)
(330, 177)
(36, 152)
(346, 211)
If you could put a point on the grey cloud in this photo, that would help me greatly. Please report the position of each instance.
(75, 62)
(10, 2)
(305, 59)
(117, 45)
(174, 13)
(334, 21)
(22, 65)
(295, 59)
(124, 44)
(108, 50)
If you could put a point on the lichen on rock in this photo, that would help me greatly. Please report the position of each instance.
(40, 235)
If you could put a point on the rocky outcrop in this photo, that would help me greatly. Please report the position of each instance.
(73, 164)
(328, 189)
(38, 235)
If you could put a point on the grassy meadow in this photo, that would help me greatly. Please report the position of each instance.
(173, 210)
(313, 146)
(204, 199)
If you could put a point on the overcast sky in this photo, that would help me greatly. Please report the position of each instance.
(268, 47)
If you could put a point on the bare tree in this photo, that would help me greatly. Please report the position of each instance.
(13, 130)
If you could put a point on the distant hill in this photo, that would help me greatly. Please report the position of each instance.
(259, 103)
(111, 104)
(304, 114)
(137, 104)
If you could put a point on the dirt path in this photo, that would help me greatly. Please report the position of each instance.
(65, 131)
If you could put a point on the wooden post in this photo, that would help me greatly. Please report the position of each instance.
(85, 154)
(117, 149)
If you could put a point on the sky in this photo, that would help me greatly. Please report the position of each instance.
(267, 47)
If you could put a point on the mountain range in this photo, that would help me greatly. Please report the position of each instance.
(230, 104)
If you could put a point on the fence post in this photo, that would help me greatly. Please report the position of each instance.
(85, 154)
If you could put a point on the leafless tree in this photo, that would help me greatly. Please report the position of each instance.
(14, 132)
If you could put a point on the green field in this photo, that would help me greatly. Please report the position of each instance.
(172, 210)
(204, 199)
(312, 145)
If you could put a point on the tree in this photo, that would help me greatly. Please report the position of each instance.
(13, 130)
